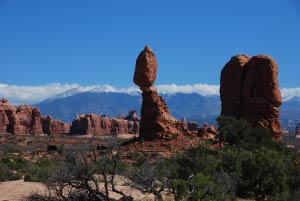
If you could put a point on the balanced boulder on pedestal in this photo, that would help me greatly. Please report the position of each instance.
(156, 121)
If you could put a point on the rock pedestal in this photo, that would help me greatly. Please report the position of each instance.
(156, 121)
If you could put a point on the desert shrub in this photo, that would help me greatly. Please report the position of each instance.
(260, 172)
(40, 171)
(201, 187)
(77, 174)
(199, 159)
(5, 173)
(10, 169)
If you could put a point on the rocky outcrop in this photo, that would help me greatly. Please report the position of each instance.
(132, 116)
(23, 119)
(26, 119)
(156, 121)
(54, 127)
(231, 85)
(207, 131)
(250, 90)
(92, 124)
(6, 112)
(193, 126)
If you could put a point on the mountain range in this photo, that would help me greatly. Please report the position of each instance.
(192, 106)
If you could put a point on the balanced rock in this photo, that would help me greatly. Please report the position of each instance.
(145, 68)
(250, 90)
(156, 121)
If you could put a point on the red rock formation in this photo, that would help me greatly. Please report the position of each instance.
(57, 127)
(156, 121)
(145, 68)
(26, 119)
(250, 90)
(133, 127)
(67, 127)
(36, 122)
(46, 124)
(92, 124)
(132, 116)
(231, 85)
(207, 132)
(6, 110)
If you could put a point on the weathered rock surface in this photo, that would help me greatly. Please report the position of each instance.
(96, 125)
(54, 127)
(231, 85)
(36, 122)
(6, 111)
(156, 121)
(250, 90)
(23, 119)
(26, 119)
(145, 68)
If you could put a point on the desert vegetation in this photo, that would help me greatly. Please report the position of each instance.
(242, 162)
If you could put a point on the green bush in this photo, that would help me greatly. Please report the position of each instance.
(10, 168)
(37, 172)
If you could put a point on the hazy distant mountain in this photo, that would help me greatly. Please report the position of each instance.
(66, 107)
(108, 103)
(193, 106)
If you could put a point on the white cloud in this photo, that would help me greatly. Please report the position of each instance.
(289, 93)
(202, 89)
(34, 94)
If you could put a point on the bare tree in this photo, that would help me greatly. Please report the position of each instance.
(80, 173)
(151, 177)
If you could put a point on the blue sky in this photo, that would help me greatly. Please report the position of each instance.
(97, 42)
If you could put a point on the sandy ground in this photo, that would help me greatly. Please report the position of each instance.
(16, 190)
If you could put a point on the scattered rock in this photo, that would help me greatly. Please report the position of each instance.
(207, 132)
